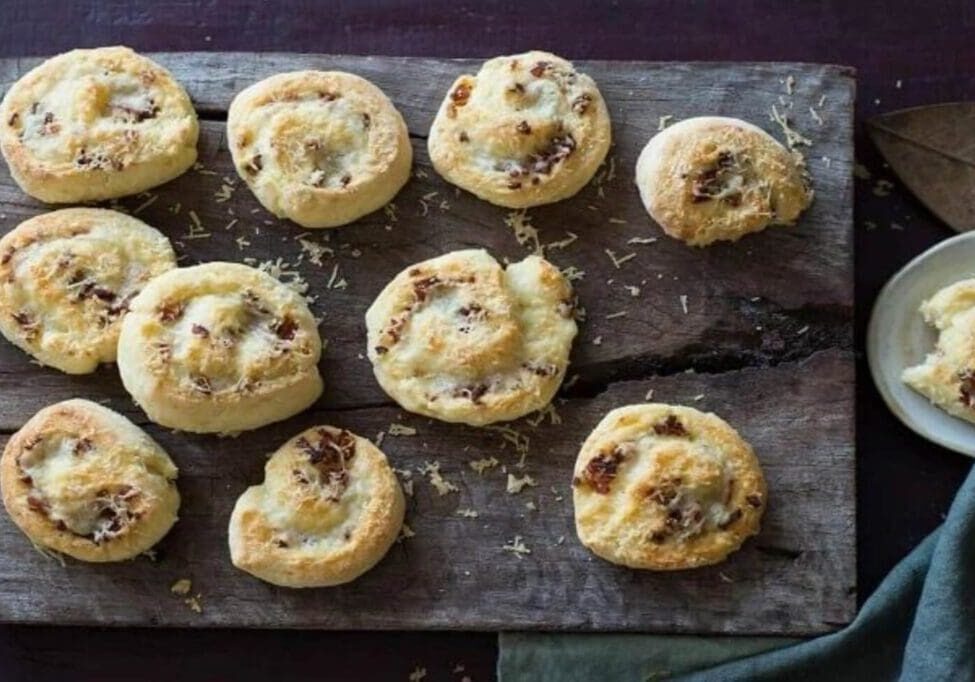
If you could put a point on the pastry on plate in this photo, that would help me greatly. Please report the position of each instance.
(95, 124)
(321, 148)
(528, 129)
(328, 510)
(66, 280)
(713, 178)
(947, 375)
(219, 348)
(83, 480)
(463, 339)
(665, 487)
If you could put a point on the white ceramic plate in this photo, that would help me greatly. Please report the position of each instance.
(898, 337)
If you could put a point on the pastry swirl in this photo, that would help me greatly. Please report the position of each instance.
(81, 479)
(96, 124)
(219, 348)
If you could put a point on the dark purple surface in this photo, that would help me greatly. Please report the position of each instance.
(905, 484)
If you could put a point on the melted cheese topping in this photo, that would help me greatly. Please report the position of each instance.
(461, 339)
(66, 280)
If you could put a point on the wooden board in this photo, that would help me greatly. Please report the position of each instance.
(765, 341)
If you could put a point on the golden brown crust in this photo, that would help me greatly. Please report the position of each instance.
(947, 375)
(66, 280)
(322, 148)
(711, 178)
(81, 479)
(328, 510)
(665, 487)
(219, 348)
(463, 340)
(528, 129)
(96, 124)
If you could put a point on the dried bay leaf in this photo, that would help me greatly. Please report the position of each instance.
(932, 151)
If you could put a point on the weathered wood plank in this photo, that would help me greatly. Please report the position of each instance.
(777, 297)
(796, 577)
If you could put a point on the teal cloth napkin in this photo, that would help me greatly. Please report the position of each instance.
(918, 625)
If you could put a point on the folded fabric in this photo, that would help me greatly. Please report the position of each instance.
(918, 625)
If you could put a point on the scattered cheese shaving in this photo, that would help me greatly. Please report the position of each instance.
(467, 513)
(145, 204)
(400, 430)
(516, 485)
(683, 302)
(516, 547)
(417, 674)
(525, 232)
(792, 137)
(432, 472)
(617, 262)
(482, 465)
(405, 533)
(664, 121)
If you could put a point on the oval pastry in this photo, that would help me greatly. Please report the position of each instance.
(322, 148)
(665, 487)
(219, 348)
(526, 130)
(328, 510)
(81, 479)
(66, 280)
(947, 375)
(461, 339)
(712, 178)
(96, 124)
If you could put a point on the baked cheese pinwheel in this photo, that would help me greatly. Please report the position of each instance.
(463, 339)
(219, 348)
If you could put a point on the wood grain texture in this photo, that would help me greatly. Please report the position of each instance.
(767, 327)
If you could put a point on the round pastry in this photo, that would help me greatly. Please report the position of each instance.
(322, 148)
(96, 124)
(666, 487)
(66, 280)
(526, 130)
(219, 348)
(462, 339)
(328, 510)
(712, 178)
(81, 479)
(947, 375)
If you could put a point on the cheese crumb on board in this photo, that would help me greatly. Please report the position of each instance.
(417, 674)
(432, 471)
(467, 513)
(482, 465)
(516, 485)
(525, 232)
(405, 533)
(516, 547)
(618, 261)
(683, 302)
(400, 430)
(181, 587)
